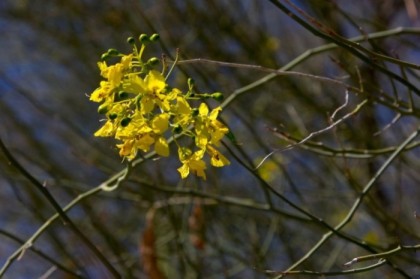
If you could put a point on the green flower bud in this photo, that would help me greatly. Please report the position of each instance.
(113, 51)
(122, 94)
(153, 61)
(104, 57)
(143, 38)
(177, 129)
(154, 37)
(102, 109)
(190, 82)
(167, 89)
(125, 121)
(131, 40)
(217, 96)
(112, 116)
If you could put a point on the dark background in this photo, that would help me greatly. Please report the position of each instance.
(48, 56)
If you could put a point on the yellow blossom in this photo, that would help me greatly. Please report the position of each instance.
(191, 162)
(130, 146)
(134, 84)
(102, 92)
(137, 126)
(160, 123)
(114, 73)
(107, 130)
(154, 85)
(162, 147)
(183, 112)
(142, 110)
(216, 158)
(208, 129)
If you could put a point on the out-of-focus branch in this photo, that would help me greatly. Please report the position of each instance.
(328, 273)
(60, 213)
(357, 203)
(382, 255)
(344, 43)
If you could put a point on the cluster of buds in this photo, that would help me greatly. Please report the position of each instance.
(142, 111)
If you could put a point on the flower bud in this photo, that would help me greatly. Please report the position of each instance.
(154, 37)
(113, 51)
(217, 96)
(153, 61)
(102, 109)
(143, 38)
(112, 116)
(104, 56)
(125, 121)
(122, 94)
(131, 40)
(177, 129)
(190, 82)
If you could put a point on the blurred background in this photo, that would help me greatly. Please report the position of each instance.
(236, 224)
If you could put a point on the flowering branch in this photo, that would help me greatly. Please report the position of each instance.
(141, 109)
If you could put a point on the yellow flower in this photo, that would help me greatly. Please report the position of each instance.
(182, 112)
(191, 162)
(160, 123)
(107, 130)
(130, 146)
(114, 73)
(136, 135)
(142, 110)
(155, 82)
(162, 147)
(102, 92)
(127, 149)
(216, 158)
(209, 130)
(154, 85)
(144, 141)
(134, 84)
(137, 126)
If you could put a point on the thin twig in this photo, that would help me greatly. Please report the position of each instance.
(313, 134)
(382, 255)
(60, 213)
(328, 273)
(357, 203)
(346, 44)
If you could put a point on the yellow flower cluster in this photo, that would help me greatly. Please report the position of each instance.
(142, 110)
